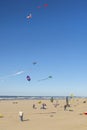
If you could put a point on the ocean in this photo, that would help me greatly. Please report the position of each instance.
(32, 97)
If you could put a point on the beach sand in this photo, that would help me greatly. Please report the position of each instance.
(51, 118)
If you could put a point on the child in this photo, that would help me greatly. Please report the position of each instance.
(21, 115)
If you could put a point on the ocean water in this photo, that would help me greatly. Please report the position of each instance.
(32, 97)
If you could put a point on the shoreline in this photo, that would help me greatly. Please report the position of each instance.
(36, 97)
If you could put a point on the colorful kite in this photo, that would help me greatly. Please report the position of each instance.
(29, 16)
(45, 5)
(28, 78)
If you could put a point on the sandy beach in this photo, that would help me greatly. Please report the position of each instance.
(51, 118)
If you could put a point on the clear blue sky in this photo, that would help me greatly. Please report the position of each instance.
(55, 38)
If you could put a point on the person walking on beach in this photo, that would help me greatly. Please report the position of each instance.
(34, 106)
(21, 115)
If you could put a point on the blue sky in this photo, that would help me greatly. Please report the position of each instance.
(55, 37)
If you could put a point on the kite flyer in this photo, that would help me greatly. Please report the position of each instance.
(21, 115)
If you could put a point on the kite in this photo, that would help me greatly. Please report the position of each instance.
(38, 7)
(72, 95)
(34, 63)
(18, 73)
(45, 78)
(28, 78)
(29, 16)
(45, 5)
(50, 77)
(12, 75)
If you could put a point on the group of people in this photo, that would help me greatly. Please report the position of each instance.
(34, 107)
(44, 107)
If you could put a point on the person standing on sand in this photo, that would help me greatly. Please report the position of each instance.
(21, 115)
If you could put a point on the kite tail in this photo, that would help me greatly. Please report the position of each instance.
(43, 79)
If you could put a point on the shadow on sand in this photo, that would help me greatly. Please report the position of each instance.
(26, 120)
